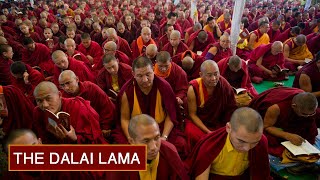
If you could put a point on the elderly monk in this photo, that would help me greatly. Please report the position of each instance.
(99, 100)
(91, 49)
(199, 40)
(259, 36)
(36, 54)
(6, 55)
(174, 75)
(139, 45)
(122, 44)
(235, 71)
(25, 78)
(163, 161)
(63, 62)
(149, 94)
(237, 151)
(190, 63)
(289, 115)
(175, 46)
(113, 75)
(84, 120)
(71, 51)
(296, 52)
(219, 50)
(264, 59)
(308, 77)
(210, 102)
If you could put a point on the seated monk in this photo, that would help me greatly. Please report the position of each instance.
(274, 31)
(295, 52)
(199, 40)
(99, 100)
(36, 54)
(91, 49)
(25, 78)
(237, 151)
(6, 55)
(84, 120)
(259, 36)
(213, 27)
(226, 22)
(122, 44)
(49, 40)
(188, 32)
(313, 43)
(219, 50)
(235, 71)
(210, 102)
(175, 46)
(308, 77)
(26, 32)
(163, 161)
(190, 63)
(151, 53)
(71, 51)
(165, 38)
(149, 94)
(174, 75)
(111, 48)
(139, 45)
(113, 76)
(264, 59)
(289, 33)
(289, 115)
(63, 62)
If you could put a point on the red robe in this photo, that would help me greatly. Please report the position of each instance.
(122, 45)
(81, 57)
(268, 61)
(135, 49)
(215, 113)
(223, 26)
(19, 110)
(206, 151)
(285, 27)
(35, 77)
(94, 50)
(182, 47)
(163, 40)
(313, 44)
(5, 71)
(242, 81)
(104, 79)
(288, 120)
(99, 101)
(220, 52)
(185, 24)
(122, 57)
(283, 36)
(170, 166)
(78, 67)
(273, 34)
(41, 57)
(197, 45)
(193, 73)
(83, 118)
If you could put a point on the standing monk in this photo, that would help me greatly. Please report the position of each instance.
(139, 45)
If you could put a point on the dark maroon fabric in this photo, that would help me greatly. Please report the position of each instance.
(182, 47)
(5, 71)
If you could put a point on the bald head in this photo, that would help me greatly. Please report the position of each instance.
(66, 74)
(46, 86)
(305, 101)
(301, 39)
(208, 64)
(21, 136)
(248, 118)
(202, 36)
(197, 26)
(235, 63)
(145, 30)
(110, 46)
(277, 45)
(69, 41)
(57, 54)
(151, 50)
(140, 120)
(111, 31)
(175, 34)
(187, 63)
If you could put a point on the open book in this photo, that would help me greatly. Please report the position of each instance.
(3, 106)
(239, 90)
(305, 149)
(77, 56)
(278, 69)
(244, 34)
(61, 117)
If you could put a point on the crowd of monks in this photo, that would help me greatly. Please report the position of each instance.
(149, 72)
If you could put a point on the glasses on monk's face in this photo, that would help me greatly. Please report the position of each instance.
(303, 114)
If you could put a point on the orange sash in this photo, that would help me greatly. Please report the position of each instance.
(201, 93)
(299, 52)
(160, 73)
(141, 44)
(3, 104)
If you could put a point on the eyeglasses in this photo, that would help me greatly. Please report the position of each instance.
(308, 115)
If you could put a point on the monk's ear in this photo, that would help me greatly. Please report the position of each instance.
(200, 73)
(60, 94)
(77, 79)
(294, 106)
(228, 127)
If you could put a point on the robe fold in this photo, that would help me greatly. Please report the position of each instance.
(138, 47)
(273, 34)
(244, 77)
(197, 45)
(94, 50)
(287, 120)
(83, 118)
(81, 57)
(283, 36)
(99, 101)
(163, 40)
(209, 147)
(5, 71)
(79, 68)
(221, 53)
(314, 44)
(182, 47)
(261, 38)
(224, 26)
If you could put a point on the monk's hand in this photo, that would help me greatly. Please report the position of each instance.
(180, 102)
(62, 133)
(90, 59)
(295, 139)
(26, 78)
(106, 133)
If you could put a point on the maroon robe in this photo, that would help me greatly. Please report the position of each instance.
(210, 146)
(221, 53)
(285, 27)
(288, 120)
(19, 110)
(78, 67)
(284, 36)
(313, 44)
(197, 45)
(104, 79)
(99, 101)
(223, 25)
(185, 24)
(240, 79)
(35, 77)
(215, 113)
(273, 34)
(163, 40)
(182, 47)
(135, 49)
(5, 71)
(83, 118)
(81, 57)
(41, 57)
(170, 166)
(94, 50)
(127, 36)
(35, 36)
(122, 45)
(268, 61)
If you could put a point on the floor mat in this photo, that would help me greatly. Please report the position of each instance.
(265, 85)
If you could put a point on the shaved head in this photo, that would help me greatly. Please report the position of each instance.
(48, 96)
(65, 74)
(111, 31)
(247, 117)
(277, 45)
(145, 29)
(139, 120)
(206, 64)
(45, 86)
(301, 39)
(58, 53)
(151, 50)
(187, 63)
(175, 34)
(202, 36)
(235, 63)
(110, 47)
(197, 26)
(305, 101)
